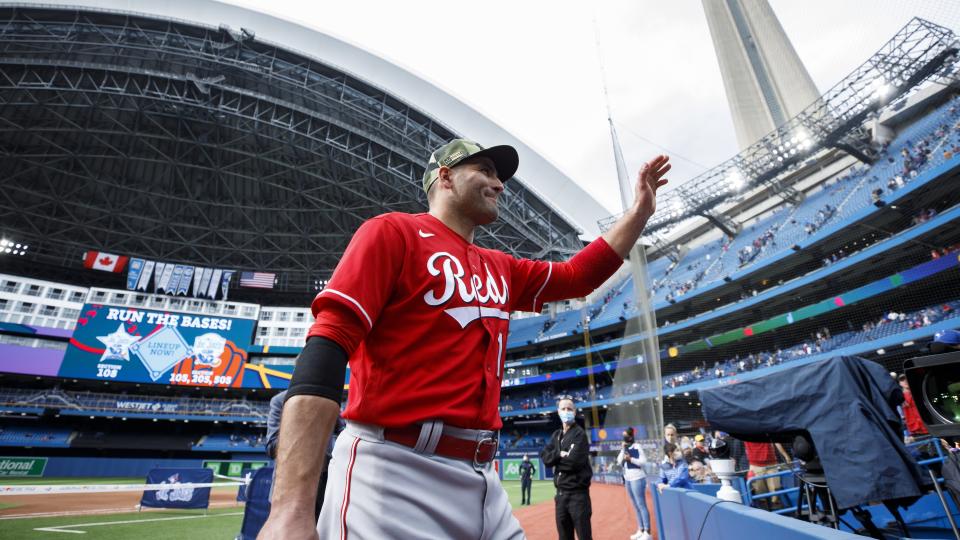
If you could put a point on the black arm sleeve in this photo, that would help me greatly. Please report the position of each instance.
(320, 370)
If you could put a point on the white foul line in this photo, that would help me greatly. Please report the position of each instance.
(61, 528)
(127, 509)
(47, 489)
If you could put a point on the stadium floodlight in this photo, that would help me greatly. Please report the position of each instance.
(802, 139)
(12, 247)
(675, 207)
(735, 179)
(881, 88)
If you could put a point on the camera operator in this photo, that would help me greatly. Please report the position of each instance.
(632, 458)
(945, 341)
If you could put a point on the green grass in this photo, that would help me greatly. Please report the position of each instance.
(220, 523)
(19, 481)
(542, 490)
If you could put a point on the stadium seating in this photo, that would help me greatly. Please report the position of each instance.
(132, 405)
(543, 398)
(920, 146)
(35, 437)
(224, 442)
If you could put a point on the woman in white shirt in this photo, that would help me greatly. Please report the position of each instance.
(632, 459)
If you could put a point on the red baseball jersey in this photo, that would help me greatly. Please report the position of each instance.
(434, 317)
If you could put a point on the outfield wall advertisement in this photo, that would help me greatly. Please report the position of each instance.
(142, 345)
(20, 466)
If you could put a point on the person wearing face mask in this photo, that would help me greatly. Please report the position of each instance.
(674, 471)
(568, 452)
(632, 458)
(527, 470)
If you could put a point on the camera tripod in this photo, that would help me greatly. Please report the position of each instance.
(816, 505)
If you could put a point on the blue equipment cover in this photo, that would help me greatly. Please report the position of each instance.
(847, 405)
(247, 476)
(175, 496)
(258, 503)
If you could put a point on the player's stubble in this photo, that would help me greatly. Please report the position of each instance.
(476, 190)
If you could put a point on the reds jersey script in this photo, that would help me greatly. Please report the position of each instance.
(437, 311)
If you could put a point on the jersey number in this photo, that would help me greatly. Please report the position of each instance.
(499, 351)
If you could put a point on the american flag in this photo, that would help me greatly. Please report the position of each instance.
(259, 280)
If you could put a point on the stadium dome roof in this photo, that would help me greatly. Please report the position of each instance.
(208, 134)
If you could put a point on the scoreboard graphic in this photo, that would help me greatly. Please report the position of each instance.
(159, 347)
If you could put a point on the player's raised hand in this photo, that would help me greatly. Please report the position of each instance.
(649, 180)
(623, 235)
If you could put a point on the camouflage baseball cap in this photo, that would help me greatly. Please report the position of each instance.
(504, 157)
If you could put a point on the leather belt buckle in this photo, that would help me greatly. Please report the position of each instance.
(486, 445)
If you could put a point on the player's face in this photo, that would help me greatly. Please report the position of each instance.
(476, 189)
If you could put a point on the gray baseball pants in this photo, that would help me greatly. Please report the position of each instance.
(380, 490)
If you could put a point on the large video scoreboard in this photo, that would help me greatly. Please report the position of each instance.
(159, 347)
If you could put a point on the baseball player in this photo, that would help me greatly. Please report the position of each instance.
(422, 315)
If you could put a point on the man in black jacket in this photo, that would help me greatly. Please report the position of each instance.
(568, 452)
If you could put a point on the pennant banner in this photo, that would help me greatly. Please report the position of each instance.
(170, 287)
(133, 273)
(145, 275)
(214, 284)
(185, 279)
(204, 283)
(158, 275)
(168, 278)
(197, 279)
(165, 278)
(225, 282)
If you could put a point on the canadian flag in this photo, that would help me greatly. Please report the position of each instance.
(108, 262)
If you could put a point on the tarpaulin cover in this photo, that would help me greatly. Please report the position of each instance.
(177, 496)
(258, 503)
(848, 406)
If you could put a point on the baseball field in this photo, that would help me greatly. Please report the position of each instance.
(114, 516)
